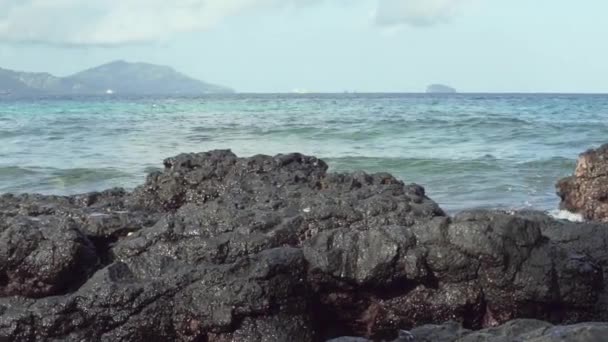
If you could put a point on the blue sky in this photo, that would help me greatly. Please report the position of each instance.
(323, 45)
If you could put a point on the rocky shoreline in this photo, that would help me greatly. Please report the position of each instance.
(219, 248)
(586, 192)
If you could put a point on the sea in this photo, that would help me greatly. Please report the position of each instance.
(503, 151)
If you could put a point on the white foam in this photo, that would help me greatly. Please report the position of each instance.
(566, 215)
(98, 215)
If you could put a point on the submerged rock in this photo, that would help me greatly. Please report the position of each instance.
(586, 192)
(221, 248)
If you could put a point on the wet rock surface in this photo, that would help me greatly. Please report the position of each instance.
(515, 331)
(586, 192)
(221, 248)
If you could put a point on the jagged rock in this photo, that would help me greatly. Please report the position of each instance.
(219, 248)
(586, 192)
(43, 256)
(98, 214)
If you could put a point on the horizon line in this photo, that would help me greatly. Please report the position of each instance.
(421, 93)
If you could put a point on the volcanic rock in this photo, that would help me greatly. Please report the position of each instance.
(221, 248)
(586, 192)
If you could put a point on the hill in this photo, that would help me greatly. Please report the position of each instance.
(117, 77)
(440, 89)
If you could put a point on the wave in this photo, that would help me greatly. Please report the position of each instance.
(455, 121)
(458, 184)
(554, 162)
(68, 177)
(566, 215)
(351, 128)
(51, 180)
(10, 172)
(20, 132)
(287, 131)
(431, 165)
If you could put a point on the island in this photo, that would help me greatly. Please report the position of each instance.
(440, 89)
(118, 77)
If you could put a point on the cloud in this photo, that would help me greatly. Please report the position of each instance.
(416, 12)
(116, 22)
(120, 22)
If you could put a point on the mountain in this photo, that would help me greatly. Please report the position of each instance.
(440, 89)
(117, 77)
(142, 78)
(14, 82)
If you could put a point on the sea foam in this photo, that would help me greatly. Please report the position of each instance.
(566, 215)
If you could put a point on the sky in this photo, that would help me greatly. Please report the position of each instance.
(322, 45)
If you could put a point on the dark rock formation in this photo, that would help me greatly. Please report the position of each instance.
(36, 261)
(220, 248)
(586, 192)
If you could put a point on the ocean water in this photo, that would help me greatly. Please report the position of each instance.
(467, 150)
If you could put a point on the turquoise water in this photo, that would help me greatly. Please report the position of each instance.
(504, 151)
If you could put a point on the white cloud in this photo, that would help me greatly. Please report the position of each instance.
(416, 12)
(117, 22)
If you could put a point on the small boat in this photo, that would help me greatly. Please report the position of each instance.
(109, 91)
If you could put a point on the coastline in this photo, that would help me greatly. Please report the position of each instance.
(219, 248)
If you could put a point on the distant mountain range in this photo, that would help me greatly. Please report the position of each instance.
(117, 77)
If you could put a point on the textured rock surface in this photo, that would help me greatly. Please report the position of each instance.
(220, 248)
(514, 331)
(586, 192)
(36, 261)
(521, 330)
